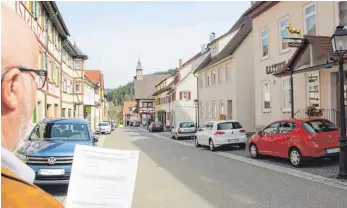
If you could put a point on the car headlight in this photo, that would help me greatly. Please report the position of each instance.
(22, 157)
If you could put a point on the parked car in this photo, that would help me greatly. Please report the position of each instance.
(137, 124)
(49, 149)
(183, 130)
(220, 133)
(104, 127)
(156, 126)
(297, 140)
(113, 127)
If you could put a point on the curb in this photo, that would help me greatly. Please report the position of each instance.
(292, 172)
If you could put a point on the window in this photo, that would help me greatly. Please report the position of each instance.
(265, 43)
(220, 75)
(266, 97)
(271, 129)
(320, 125)
(286, 127)
(214, 78)
(286, 94)
(69, 84)
(63, 112)
(78, 64)
(208, 81)
(69, 113)
(185, 95)
(342, 13)
(228, 72)
(77, 88)
(201, 109)
(40, 60)
(207, 110)
(310, 19)
(51, 37)
(150, 105)
(284, 33)
(187, 125)
(313, 89)
(64, 85)
(228, 126)
(221, 108)
(214, 112)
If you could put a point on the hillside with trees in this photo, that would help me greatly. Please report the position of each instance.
(126, 93)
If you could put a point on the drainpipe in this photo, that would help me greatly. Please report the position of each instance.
(46, 59)
(61, 79)
(291, 95)
(197, 97)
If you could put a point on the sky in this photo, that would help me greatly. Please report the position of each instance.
(115, 35)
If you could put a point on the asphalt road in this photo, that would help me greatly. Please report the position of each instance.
(323, 167)
(225, 182)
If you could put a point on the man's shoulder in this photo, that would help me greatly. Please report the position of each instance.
(17, 193)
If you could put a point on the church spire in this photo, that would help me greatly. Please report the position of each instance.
(139, 66)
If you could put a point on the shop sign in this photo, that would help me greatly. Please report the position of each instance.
(275, 67)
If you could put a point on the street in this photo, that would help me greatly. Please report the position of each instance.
(176, 174)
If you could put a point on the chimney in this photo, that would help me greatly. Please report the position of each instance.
(212, 37)
(179, 63)
(203, 48)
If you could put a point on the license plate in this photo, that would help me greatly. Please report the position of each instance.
(233, 140)
(332, 150)
(51, 172)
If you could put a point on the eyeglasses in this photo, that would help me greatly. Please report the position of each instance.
(40, 78)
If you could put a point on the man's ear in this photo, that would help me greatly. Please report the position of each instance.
(10, 89)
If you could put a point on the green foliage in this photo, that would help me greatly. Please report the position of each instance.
(126, 92)
(121, 122)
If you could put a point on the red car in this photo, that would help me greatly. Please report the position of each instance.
(156, 126)
(297, 140)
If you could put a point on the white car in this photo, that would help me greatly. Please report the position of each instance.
(104, 127)
(184, 129)
(219, 133)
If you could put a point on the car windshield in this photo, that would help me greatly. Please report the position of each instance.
(187, 125)
(317, 126)
(229, 125)
(157, 123)
(60, 131)
(103, 124)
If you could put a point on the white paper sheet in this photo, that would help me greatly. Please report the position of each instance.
(102, 178)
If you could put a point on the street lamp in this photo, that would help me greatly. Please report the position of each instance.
(196, 102)
(339, 44)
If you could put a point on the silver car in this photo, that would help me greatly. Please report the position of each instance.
(185, 129)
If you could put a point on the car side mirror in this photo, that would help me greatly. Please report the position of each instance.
(200, 129)
(261, 133)
(95, 138)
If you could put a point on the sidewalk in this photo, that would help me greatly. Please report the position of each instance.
(155, 187)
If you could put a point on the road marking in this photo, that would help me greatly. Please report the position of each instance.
(298, 173)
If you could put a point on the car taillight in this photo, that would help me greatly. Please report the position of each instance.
(219, 133)
(242, 131)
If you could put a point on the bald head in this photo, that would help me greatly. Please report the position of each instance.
(19, 47)
(18, 43)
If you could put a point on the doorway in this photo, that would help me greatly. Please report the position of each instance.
(229, 109)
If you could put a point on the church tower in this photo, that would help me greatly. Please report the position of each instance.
(139, 70)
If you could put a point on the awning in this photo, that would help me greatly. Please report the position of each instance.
(322, 54)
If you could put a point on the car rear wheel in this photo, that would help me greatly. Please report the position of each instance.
(295, 157)
(211, 145)
(253, 151)
(242, 146)
(197, 142)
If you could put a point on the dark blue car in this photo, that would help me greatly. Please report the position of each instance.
(50, 148)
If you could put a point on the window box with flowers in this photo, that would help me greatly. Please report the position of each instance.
(312, 111)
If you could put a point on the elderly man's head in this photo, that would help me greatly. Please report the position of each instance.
(19, 48)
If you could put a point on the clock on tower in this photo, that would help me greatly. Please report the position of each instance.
(139, 70)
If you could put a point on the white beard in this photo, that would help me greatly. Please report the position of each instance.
(25, 123)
